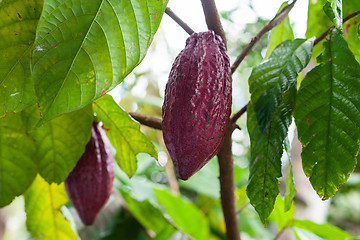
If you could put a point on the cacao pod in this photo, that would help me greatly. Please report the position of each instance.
(197, 103)
(89, 185)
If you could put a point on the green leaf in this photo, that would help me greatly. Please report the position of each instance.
(280, 33)
(280, 216)
(44, 219)
(184, 214)
(266, 152)
(17, 151)
(124, 134)
(290, 184)
(329, 11)
(325, 231)
(18, 21)
(270, 79)
(61, 142)
(83, 49)
(333, 10)
(317, 22)
(290, 189)
(328, 117)
(273, 91)
(143, 210)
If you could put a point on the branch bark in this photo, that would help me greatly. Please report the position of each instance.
(227, 186)
(146, 120)
(237, 115)
(324, 34)
(279, 17)
(212, 19)
(179, 21)
(225, 157)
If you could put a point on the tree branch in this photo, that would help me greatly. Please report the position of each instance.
(146, 120)
(237, 115)
(324, 34)
(279, 17)
(212, 19)
(227, 186)
(178, 20)
(225, 157)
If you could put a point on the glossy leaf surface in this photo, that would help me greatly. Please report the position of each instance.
(273, 91)
(270, 79)
(123, 133)
(328, 117)
(85, 48)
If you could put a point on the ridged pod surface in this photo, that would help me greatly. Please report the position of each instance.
(197, 103)
(89, 185)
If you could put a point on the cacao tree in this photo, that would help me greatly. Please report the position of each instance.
(68, 149)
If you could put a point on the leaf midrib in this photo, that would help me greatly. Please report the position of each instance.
(329, 120)
(75, 57)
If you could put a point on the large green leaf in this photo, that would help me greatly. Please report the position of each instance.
(280, 33)
(17, 151)
(18, 21)
(61, 142)
(270, 79)
(44, 219)
(85, 48)
(124, 134)
(184, 214)
(324, 231)
(273, 91)
(328, 117)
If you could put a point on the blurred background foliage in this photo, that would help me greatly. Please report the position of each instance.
(153, 205)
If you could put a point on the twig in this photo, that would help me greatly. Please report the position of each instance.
(237, 115)
(169, 169)
(146, 120)
(212, 19)
(242, 208)
(279, 17)
(178, 20)
(324, 34)
(227, 187)
(281, 232)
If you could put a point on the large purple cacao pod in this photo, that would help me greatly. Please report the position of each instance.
(197, 103)
(89, 185)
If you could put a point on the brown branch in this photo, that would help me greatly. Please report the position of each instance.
(279, 17)
(146, 120)
(178, 20)
(227, 187)
(324, 34)
(237, 115)
(212, 18)
(225, 157)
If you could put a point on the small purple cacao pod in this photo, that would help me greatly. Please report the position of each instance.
(89, 185)
(197, 103)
